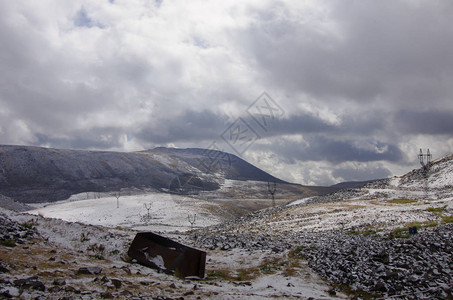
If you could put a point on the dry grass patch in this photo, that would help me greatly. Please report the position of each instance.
(447, 219)
(401, 201)
(288, 264)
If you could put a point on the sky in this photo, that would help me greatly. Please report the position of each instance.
(313, 92)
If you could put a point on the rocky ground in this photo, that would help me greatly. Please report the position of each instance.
(392, 239)
(361, 244)
(44, 258)
(414, 267)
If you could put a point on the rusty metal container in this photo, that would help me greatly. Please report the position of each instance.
(164, 254)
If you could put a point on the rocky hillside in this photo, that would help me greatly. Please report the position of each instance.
(390, 239)
(44, 258)
(436, 176)
(33, 174)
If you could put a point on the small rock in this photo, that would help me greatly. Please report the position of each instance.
(173, 286)
(116, 283)
(89, 270)
(71, 289)
(391, 275)
(106, 295)
(59, 282)
(5, 294)
(31, 282)
(126, 293)
(382, 257)
(3, 269)
(332, 292)
(379, 287)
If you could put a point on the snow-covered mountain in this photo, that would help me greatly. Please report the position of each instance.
(34, 174)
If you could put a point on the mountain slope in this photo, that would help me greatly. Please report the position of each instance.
(390, 239)
(34, 174)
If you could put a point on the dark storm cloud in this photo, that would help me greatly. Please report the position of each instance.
(301, 123)
(320, 148)
(190, 126)
(98, 138)
(363, 123)
(205, 125)
(391, 51)
(424, 122)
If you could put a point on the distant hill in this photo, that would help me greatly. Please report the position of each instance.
(35, 174)
(352, 184)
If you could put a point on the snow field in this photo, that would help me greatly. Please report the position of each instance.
(168, 212)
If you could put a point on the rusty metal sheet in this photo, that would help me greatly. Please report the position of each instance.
(164, 254)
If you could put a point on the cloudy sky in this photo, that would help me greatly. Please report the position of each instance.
(352, 89)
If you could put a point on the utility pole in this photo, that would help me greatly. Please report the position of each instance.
(425, 159)
(117, 195)
(192, 220)
(148, 208)
(272, 191)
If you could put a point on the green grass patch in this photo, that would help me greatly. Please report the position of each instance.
(436, 210)
(419, 225)
(447, 219)
(366, 230)
(401, 201)
(430, 224)
(403, 232)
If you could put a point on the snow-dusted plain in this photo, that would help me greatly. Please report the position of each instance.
(60, 248)
(167, 212)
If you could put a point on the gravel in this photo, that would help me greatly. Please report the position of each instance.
(12, 232)
(416, 267)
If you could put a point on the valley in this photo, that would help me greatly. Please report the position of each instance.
(354, 243)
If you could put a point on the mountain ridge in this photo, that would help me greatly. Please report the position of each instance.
(35, 174)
